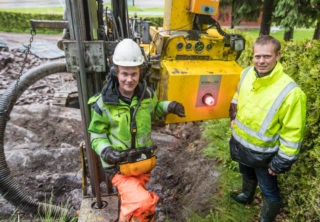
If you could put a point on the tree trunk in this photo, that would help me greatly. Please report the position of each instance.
(316, 34)
(288, 34)
(232, 14)
(266, 17)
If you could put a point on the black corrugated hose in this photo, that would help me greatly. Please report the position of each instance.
(9, 188)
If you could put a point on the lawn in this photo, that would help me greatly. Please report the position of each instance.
(60, 10)
(48, 10)
(299, 34)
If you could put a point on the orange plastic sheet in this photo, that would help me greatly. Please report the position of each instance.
(137, 203)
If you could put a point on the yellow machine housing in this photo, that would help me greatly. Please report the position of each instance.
(176, 15)
(193, 64)
(189, 82)
(205, 7)
(191, 69)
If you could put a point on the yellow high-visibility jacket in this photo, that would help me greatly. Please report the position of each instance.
(270, 120)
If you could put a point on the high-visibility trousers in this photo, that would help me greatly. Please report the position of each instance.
(137, 203)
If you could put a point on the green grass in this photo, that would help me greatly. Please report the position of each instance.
(152, 10)
(299, 34)
(49, 10)
(136, 9)
(148, 12)
(60, 10)
(48, 215)
(217, 132)
(39, 31)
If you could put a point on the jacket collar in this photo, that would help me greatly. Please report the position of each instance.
(276, 73)
(111, 94)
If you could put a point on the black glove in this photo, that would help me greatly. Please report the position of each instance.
(176, 108)
(112, 156)
(233, 111)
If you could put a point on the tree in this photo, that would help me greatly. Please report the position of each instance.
(292, 13)
(242, 9)
(224, 10)
(316, 34)
(233, 6)
(265, 25)
(316, 6)
(246, 9)
(311, 13)
(286, 14)
(288, 34)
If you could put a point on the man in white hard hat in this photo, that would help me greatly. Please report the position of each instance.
(120, 131)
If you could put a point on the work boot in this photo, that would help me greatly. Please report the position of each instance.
(248, 191)
(270, 210)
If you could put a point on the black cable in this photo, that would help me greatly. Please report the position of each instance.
(133, 125)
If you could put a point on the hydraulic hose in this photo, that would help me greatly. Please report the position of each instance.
(218, 27)
(9, 188)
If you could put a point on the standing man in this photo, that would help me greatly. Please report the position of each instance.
(121, 126)
(268, 115)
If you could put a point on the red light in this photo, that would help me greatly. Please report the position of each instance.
(208, 99)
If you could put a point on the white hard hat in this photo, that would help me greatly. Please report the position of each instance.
(127, 53)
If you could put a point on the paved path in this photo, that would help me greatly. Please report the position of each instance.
(30, 3)
(43, 46)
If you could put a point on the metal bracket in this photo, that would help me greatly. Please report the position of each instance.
(145, 32)
(50, 24)
(94, 56)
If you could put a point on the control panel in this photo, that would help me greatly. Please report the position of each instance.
(208, 90)
(205, 7)
(197, 46)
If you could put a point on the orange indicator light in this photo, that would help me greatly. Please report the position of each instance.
(208, 99)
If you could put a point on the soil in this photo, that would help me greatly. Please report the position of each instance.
(42, 146)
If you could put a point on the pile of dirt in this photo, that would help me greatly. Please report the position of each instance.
(42, 140)
(42, 152)
(49, 90)
(183, 178)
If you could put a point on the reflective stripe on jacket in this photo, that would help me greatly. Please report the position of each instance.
(111, 117)
(270, 119)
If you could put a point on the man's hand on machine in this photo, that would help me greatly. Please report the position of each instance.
(176, 108)
(112, 156)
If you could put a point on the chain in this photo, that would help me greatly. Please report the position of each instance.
(27, 52)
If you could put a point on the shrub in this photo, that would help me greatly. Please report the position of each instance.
(155, 21)
(20, 22)
(16, 21)
(301, 185)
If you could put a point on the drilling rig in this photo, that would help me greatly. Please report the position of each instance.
(190, 59)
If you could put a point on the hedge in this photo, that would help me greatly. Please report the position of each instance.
(155, 21)
(13, 21)
(300, 186)
(17, 21)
